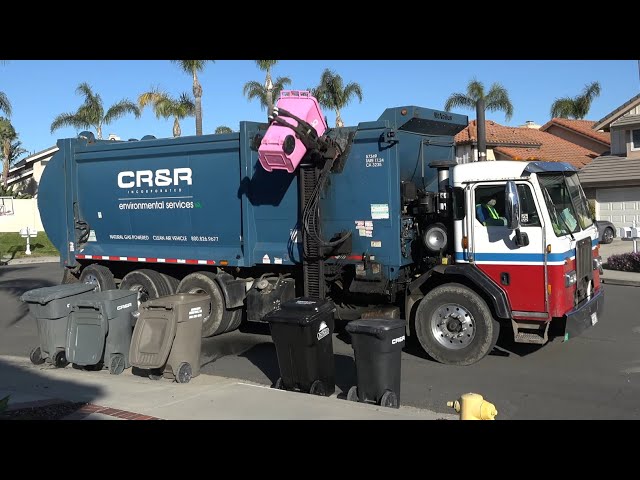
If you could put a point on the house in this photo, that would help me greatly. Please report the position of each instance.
(24, 176)
(613, 179)
(559, 144)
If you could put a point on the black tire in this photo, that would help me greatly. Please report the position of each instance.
(60, 359)
(352, 394)
(608, 235)
(389, 399)
(485, 327)
(148, 283)
(94, 368)
(218, 318)
(116, 365)
(184, 373)
(36, 356)
(172, 283)
(279, 385)
(318, 388)
(155, 374)
(100, 275)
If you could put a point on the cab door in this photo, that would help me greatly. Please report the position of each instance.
(520, 271)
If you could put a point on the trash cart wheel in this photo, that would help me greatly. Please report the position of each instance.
(279, 385)
(352, 394)
(94, 368)
(184, 373)
(36, 356)
(116, 366)
(389, 399)
(318, 388)
(60, 359)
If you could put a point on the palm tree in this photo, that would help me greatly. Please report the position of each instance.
(576, 107)
(268, 92)
(496, 100)
(166, 106)
(7, 136)
(192, 67)
(332, 93)
(5, 104)
(91, 112)
(223, 129)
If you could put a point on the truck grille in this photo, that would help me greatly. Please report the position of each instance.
(584, 268)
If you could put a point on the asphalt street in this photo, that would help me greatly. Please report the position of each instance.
(594, 376)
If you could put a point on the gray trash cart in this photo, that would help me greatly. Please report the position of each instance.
(100, 330)
(51, 307)
(167, 338)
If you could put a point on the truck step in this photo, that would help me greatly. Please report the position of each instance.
(530, 332)
(536, 338)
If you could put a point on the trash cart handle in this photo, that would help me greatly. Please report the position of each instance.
(86, 304)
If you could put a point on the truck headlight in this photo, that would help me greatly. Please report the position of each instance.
(570, 278)
(435, 237)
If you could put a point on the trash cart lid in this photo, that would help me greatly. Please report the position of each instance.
(379, 327)
(46, 294)
(172, 301)
(300, 311)
(111, 302)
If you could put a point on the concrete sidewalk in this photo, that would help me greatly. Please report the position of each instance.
(129, 397)
(22, 261)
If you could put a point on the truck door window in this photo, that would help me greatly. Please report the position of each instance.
(490, 206)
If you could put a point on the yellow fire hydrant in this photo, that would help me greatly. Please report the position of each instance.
(472, 406)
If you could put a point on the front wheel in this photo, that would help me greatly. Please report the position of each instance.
(455, 326)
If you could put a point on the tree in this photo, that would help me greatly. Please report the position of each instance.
(332, 93)
(166, 106)
(7, 136)
(577, 107)
(496, 100)
(268, 92)
(223, 129)
(5, 104)
(192, 67)
(91, 112)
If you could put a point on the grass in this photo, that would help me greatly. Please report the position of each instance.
(12, 245)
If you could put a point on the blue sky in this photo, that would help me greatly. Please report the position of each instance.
(41, 89)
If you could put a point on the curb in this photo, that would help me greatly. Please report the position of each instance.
(626, 283)
(25, 261)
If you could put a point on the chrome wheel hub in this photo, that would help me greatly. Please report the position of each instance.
(453, 326)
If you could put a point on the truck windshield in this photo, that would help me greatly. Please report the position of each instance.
(566, 202)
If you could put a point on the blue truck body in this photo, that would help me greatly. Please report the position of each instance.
(207, 201)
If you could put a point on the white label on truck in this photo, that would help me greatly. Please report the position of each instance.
(376, 243)
(99, 214)
(372, 160)
(71, 247)
(323, 331)
(92, 235)
(277, 260)
(266, 259)
(362, 232)
(379, 211)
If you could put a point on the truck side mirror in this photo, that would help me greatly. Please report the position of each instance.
(512, 206)
(512, 213)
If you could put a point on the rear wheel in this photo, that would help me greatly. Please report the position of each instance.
(455, 326)
(148, 283)
(389, 399)
(172, 283)
(36, 356)
(218, 318)
(352, 394)
(98, 275)
(607, 235)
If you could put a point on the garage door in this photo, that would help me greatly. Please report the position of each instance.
(619, 205)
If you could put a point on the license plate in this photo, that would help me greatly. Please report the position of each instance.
(594, 318)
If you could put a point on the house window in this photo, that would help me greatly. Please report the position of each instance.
(635, 139)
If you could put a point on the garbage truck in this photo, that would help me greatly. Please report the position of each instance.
(378, 217)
